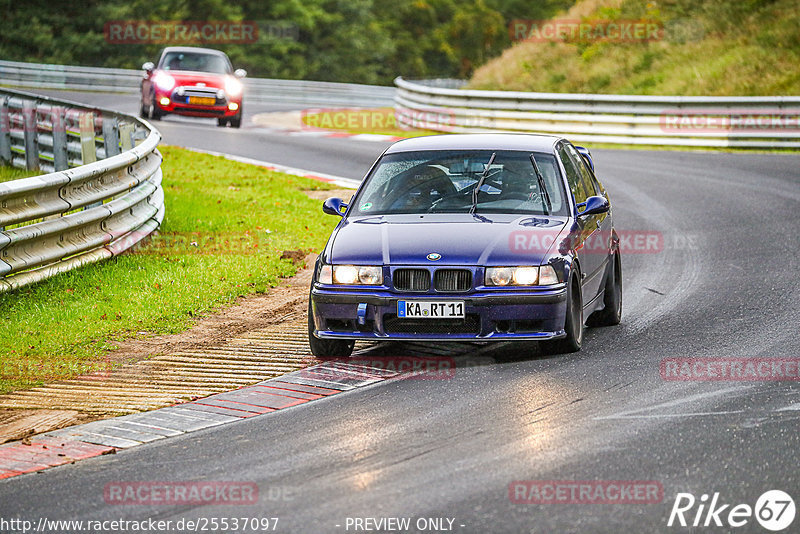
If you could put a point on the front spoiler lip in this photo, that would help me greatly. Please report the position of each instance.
(555, 295)
(493, 336)
(550, 296)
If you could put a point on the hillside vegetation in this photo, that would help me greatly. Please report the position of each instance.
(360, 41)
(721, 47)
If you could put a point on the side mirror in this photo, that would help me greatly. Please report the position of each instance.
(594, 206)
(240, 73)
(334, 206)
(148, 67)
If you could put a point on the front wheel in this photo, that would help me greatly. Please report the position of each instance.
(573, 324)
(611, 314)
(327, 348)
(222, 122)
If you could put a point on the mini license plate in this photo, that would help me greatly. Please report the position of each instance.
(425, 309)
(202, 100)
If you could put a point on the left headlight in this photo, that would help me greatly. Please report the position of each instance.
(233, 86)
(366, 275)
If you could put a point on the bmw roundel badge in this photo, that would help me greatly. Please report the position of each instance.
(433, 256)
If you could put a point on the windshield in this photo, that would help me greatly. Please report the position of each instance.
(195, 61)
(440, 181)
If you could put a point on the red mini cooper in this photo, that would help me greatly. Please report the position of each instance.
(197, 82)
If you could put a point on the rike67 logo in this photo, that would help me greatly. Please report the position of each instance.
(774, 510)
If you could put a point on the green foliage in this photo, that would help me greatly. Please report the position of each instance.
(364, 41)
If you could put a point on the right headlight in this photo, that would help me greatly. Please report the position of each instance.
(521, 276)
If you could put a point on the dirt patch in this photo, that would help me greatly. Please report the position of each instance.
(156, 371)
(286, 301)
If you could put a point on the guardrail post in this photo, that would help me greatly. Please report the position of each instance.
(5, 132)
(111, 136)
(30, 131)
(126, 136)
(59, 121)
(88, 147)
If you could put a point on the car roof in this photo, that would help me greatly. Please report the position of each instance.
(194, 49)
(480, 141)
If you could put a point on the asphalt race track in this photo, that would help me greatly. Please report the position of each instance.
(724, 284)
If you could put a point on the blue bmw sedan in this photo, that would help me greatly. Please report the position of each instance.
(469, 237)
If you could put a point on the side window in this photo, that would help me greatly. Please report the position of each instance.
(598, 187)
(573, 176)
(589, 182)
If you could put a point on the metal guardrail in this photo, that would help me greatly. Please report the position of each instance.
(261, 90)
(740, 122)
(101, 196)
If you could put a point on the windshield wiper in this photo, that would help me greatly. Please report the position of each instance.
(480, 184)
(542, 186)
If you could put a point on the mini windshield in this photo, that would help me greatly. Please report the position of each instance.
(195, 61)
(439, 181)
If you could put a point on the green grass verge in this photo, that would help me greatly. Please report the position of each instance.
(11, 173)
(240, 218)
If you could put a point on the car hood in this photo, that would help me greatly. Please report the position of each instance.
(460, 239)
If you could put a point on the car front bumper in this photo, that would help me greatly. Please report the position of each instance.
(178, 107)
(536, 314)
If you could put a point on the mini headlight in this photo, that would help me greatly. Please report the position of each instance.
(547, 275)
(164, 81)
(233, 86)
(220, 94)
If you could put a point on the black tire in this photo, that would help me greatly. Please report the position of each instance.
(611, 314)
(327, 348)
(222, 122)
(236, 121)
(573, 324)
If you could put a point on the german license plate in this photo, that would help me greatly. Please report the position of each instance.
(202, 100)
(425, 309)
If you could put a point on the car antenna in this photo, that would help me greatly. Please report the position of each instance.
(542, 185)
(480, 184)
